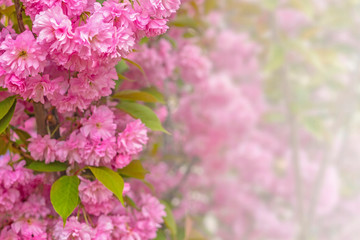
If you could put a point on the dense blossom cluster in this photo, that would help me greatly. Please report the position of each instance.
(76, 48)
(65, 61)
(24, 199)
(95, 143)
(26, 209)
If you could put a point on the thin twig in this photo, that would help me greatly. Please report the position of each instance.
(294, 140)
(336, 148)
(53, 122)
(294, 144)
(85, 216)
(183, 179)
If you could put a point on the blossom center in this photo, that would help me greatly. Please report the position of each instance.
(23, 53)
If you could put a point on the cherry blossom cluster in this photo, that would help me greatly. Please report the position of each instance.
(69, 56)
(186, 62)
(27, 212)
(64, 61)
(97, 142)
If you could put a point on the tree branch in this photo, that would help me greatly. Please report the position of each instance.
(2, 26)
(18, 9)
(40, 116)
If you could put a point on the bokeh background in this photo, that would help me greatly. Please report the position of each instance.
(262, 103)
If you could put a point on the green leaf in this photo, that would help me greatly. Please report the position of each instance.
(209, 5)
(135, 64)
(64, 195)
(144, 40)
(185, 22)
(136, 96)
(24, 136)
(270, 4)
(195, 6)
(27, 21)
(276, 58)
(4, 145)
(122, 77)
(316, 127)
(160, 235)
(51, 167)
(8, 11)
(121, 67)
(132, 3)
(144, 113)
(131, 203)
(169, 219)
(171, 40)
(135, 169)
(149, 185)
(4, 122)
(189, 34)
(5, 106)
(153, 91)
(111, 180)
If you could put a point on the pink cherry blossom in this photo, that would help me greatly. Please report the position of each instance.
(160, 8)
(43, 148)
(34, 7)
(132, 139)
(22, 56)
(150, 217)
(54, 30)
(15, 84)
(97, 199)
(194, 67)
(8, 198)
(156, 27)
(98, 152)
(104, 228)
(30, 228)
(290, 20)
(96, 126)
(76, 7)
(121, 160)
(37, 88)
(73, 230)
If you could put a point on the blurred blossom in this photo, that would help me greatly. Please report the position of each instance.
(262, 121)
